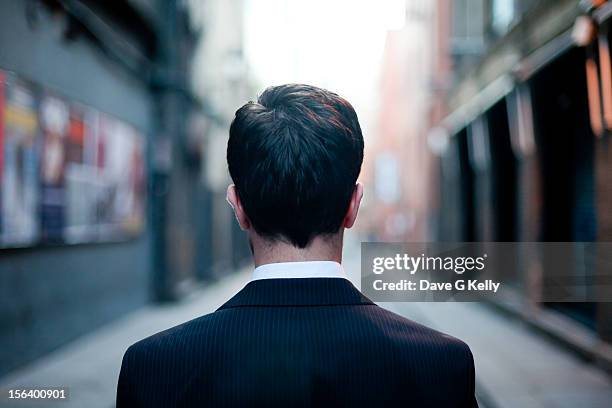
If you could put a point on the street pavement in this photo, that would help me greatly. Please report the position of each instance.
(89, 366)
(514, 367)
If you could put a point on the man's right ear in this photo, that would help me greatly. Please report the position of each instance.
(234, 202)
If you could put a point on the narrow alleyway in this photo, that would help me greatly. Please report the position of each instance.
(514, 366)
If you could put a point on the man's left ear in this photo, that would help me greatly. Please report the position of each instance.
(353, 209)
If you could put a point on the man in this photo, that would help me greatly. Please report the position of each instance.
(299, 334)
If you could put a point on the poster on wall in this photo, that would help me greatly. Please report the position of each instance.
(19, 162)
(80, 176)
(120, 159)
(68, 173)
(133, 186)
(54, 120)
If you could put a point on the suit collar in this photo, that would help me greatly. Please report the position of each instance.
(298, 292)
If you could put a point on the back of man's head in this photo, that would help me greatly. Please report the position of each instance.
(294, 157)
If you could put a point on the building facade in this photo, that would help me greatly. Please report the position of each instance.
(524, 145)
(87, 81)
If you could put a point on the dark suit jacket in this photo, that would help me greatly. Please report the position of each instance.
(298, 343)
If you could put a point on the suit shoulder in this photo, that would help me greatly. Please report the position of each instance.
(178, 350)
(441, 356)
(418, 334)
(174, 337)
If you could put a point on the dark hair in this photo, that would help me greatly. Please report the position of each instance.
(294, 157)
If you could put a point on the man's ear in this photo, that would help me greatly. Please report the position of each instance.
(353, 209)
(234, 202)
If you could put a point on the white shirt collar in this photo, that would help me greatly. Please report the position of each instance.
(311, 269)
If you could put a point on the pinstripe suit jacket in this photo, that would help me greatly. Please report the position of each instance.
(298, 343)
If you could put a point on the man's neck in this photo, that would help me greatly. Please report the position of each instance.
(328, 248)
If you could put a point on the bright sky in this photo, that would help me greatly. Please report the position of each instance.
(335, 44)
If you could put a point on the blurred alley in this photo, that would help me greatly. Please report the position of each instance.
(514, 366)
(483, 120)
